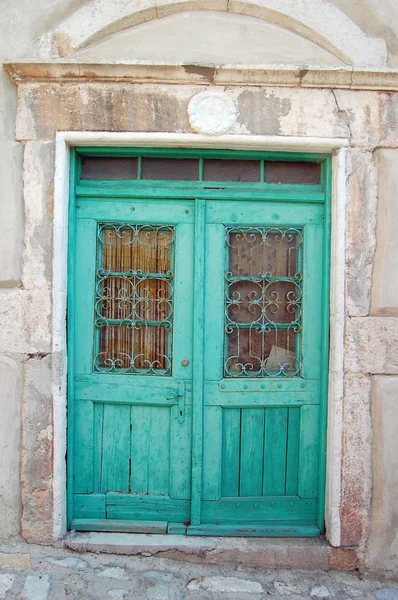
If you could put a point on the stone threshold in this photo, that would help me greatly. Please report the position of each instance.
(145, 72)
(272, 553)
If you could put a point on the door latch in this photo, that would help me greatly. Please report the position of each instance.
(180, 396)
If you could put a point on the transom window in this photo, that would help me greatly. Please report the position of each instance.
(145, 168)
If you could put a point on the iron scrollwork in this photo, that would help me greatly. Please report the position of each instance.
(134, 299)
(263, 301)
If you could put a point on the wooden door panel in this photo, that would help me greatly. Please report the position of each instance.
(256, 510)
(308, 452)
(84, 448)
(158, 452)
(212, 452)
(251, 452)
(262, 463)
(132, 424)
(275, 446)
(293, 449)
(263, 213)
(115, 467)
(230, 465)
(180, 453)
(147, 508)
(261, 453)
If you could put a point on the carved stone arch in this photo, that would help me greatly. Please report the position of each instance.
(316, 20)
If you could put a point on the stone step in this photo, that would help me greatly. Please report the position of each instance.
(287, 553)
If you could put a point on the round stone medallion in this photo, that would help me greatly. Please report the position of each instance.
(212, 113)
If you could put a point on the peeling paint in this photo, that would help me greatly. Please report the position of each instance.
(261, 111)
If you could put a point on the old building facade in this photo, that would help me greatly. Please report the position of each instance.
(260, 80)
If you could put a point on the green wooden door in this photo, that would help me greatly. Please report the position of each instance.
(262, 368)
(132, 377)
(198, 336)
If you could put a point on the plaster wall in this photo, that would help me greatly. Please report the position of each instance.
(367, 119)
(245, 40)
(382, 554)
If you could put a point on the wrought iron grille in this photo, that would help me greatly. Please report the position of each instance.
(263, 301)
(134, 299)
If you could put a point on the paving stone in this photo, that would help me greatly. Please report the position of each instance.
(225, 584)
(159, 576)
(6, 581)
(68, 562)
(159, 592)
(284, 589)
(114, 573)
(36, 587)
(154, 578)
(387, 594)
(117, 594)
(320, 592)
(354, 593)
(14, 561)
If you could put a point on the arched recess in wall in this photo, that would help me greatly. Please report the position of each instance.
(317, 21)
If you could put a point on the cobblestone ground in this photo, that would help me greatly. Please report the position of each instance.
(30, 572)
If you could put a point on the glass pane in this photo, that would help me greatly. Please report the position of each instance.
(134, 298)
(257, 251)
(144, 248)
(231, 170)
(95, 167)
(304, 173)
(136, 349)
(263, 301)
(183, 169)
(277, 302)
(255, 352)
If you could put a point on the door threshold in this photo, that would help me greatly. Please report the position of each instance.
(282, 553)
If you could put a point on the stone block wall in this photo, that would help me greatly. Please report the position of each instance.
(368, 120)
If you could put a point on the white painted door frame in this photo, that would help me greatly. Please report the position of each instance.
(337, 146)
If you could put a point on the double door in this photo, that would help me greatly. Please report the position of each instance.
(196, 366)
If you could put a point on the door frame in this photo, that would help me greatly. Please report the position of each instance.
(65, 142)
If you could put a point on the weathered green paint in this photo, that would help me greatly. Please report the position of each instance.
(220, 456)
(197, 360)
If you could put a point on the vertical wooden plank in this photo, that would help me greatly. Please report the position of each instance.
(86, 247)
(214, 302)
(275, 451)
(312, 302)
(183, 301)
(159, 451)
(140, 427)
(293, 446)
(180, 454)
(252, 452)
(198, 351)
(98, 432)
(309, 451)
(83, 455)
(230, 468)
(116, 448)
(212, 453)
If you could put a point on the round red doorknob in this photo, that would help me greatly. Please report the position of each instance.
(185, 362)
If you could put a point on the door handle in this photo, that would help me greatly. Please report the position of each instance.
(180, 396)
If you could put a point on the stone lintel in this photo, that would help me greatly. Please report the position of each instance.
(141, 71)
